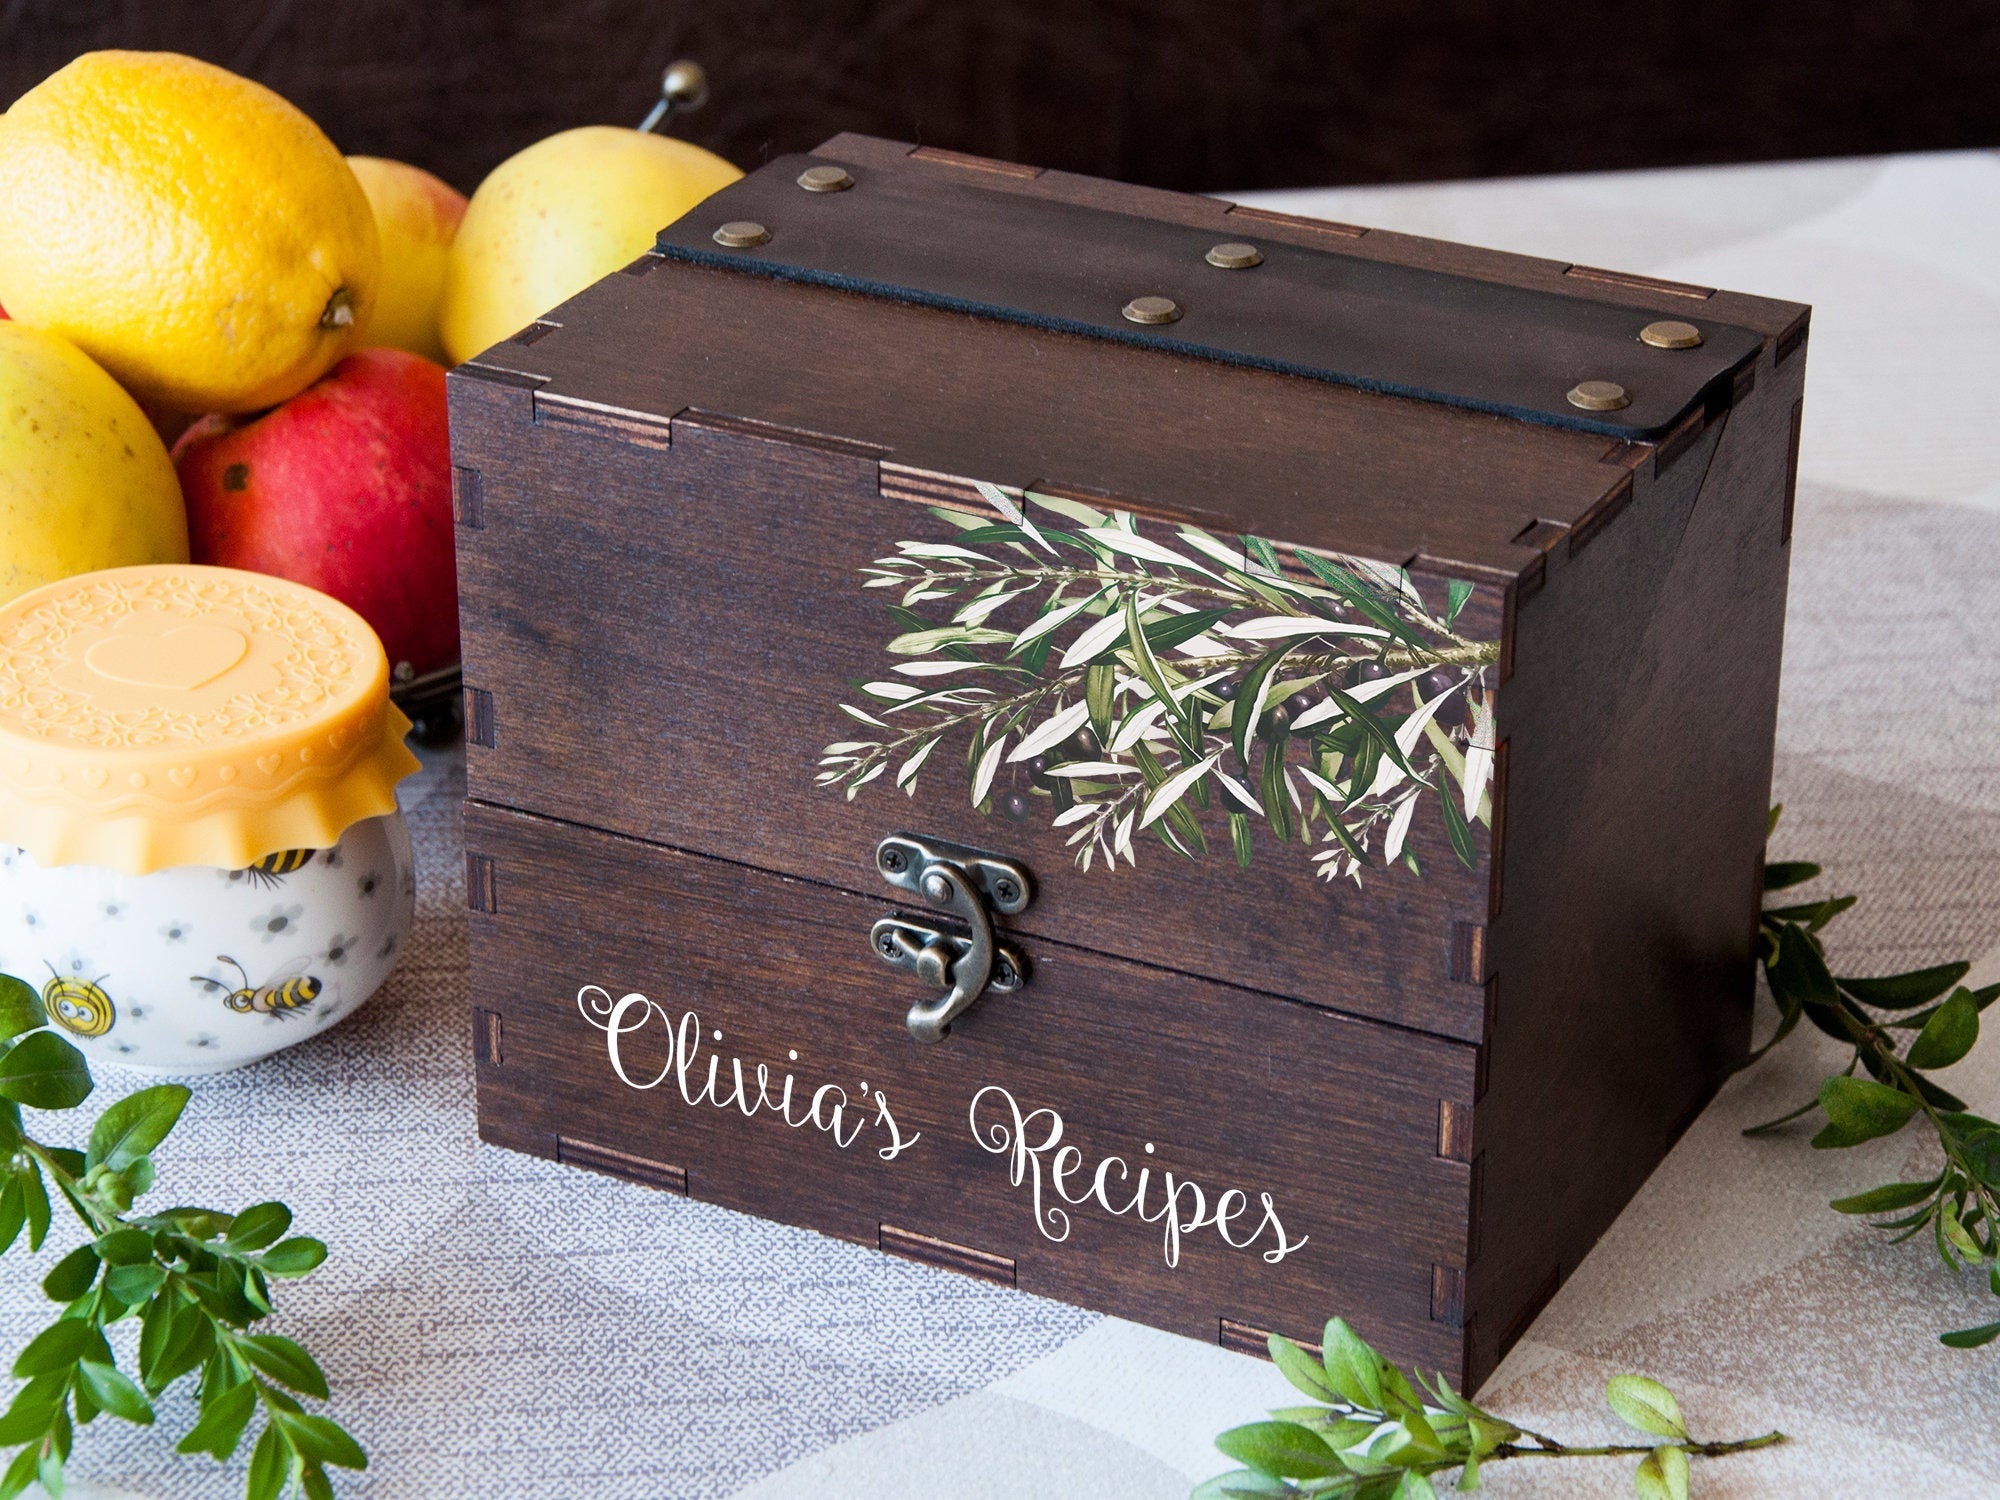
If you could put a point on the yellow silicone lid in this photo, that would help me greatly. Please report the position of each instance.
(183, 715)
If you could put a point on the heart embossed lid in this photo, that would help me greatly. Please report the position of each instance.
(184, 715)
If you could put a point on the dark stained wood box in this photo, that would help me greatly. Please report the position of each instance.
(1384, 1004)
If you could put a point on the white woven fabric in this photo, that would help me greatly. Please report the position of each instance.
(499, 1327)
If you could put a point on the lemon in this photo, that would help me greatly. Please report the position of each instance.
(189, 230)
(416, 216)
(551, 219)
(85, 482)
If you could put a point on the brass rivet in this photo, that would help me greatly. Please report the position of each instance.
(825, 180)
(1153, 310)
(741, 234)
(1235, 256)
(1670, 333)
(1599, 395)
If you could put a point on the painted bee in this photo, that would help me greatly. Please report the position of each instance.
(78, 1005)
(279, 998)
(270, 871)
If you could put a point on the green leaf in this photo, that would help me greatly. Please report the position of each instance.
(1165, 634)
(1456, 593)
(1815, 914)
(44, 1071)
(20, 1007)
(1800, 973)
(126, 1246)
(1662, 1475)
(134, 1126)
(113, 1390)
(1284, 1450)
(1301, 1369)
(1361, 596)
(1249, 705)
(1379, 737)
(1241, 1484)
(1098, 684)
(1787, 873)
(1888, 1198)
(1156, 679)
(1860, 1109)
(1276, 798)
(223, 1418)
(36, 1196)
(1971, 1338)
(1948, 1035)
(72, 1276)
(293, 1257)
(187, 1339)
(1414, 1486)
(1262, 550)
(325, 1441)
(1354, 1369)
(1456, 826)
(20, 1474)
(33, 1408)
(317, 1485)
(1646, 1405)
(132, 1285)
(1239, 838)
(59, 1346)
(270, 1466)
(284, 1361)
(257, 1226)
(1905, 991)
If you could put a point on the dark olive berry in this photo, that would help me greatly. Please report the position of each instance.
(1016, 806)
(1367, 671)
(1276, 721)
(1436, 681)
(1086, 744)
(1227, 691)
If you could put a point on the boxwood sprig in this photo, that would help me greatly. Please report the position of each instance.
(198, 1280)
(1374, 1433)
(1886, 1083)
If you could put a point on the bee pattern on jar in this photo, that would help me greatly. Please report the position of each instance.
(270, 871)
(78, 1005)
(278, 997)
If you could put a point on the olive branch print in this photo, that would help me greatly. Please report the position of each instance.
(1137, 685)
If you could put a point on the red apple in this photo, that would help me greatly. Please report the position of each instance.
(345, 487)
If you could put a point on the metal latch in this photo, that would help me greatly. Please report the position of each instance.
(963, 963)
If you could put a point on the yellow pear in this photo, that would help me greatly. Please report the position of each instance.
(554, 218)
(85, 482)
(416, 216)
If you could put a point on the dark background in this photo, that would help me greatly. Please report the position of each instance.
(1202, 94)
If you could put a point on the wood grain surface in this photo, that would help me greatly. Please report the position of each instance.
(666, 635)
(677, 478)
(1337, 1119)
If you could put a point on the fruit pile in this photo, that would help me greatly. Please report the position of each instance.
(185, 258)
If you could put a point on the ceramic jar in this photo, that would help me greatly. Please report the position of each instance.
(201, 857)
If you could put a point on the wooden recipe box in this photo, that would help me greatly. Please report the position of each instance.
(1205, 764)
